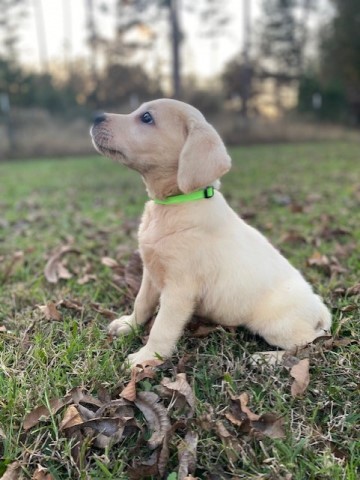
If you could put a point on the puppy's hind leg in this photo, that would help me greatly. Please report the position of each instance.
(145, 304)
(176, 308)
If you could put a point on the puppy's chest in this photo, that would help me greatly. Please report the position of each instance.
(154, 242)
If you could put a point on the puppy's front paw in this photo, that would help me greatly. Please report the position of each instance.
(140, 356)
(121, 326)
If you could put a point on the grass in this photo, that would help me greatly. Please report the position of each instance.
(309, 190)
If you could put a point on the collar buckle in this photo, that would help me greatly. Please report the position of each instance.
(209, 192)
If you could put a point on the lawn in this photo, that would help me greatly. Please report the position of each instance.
(305, 198)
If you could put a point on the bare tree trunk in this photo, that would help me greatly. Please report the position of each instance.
(67, 24)
(41, 35)
(93, 41)
(175, 43)
(247, 73)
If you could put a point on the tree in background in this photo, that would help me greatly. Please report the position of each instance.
(12, 15)
(340, 56)
(283, 39)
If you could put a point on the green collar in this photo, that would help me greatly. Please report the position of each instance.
(207, 192)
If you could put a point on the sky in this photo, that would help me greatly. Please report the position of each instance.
(202, 56)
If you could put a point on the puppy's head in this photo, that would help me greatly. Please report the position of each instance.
(168, 142)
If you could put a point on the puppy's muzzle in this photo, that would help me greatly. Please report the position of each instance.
(103, 139)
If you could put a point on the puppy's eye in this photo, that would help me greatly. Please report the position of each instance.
(147, 118)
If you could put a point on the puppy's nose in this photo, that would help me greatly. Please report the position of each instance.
(99, 119)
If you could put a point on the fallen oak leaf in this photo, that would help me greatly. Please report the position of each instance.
(103, 311)
(88, 277)
(71, 304)
(109, 262)
(141, 371)
(12, 471)
(54, 269)
(300, 373)
(317, 259)
(71, 417)
(187, 455)
(292, 237)
(104, 431)
(350, 308)
(165, 450)
(242, 400)
(77, 395)
(62, 272)
(145, 469)
(43, 413)
(269, 425)
(106, 426)
(354, 290)
(181, 387)
(233, 419)
(118, 407)
(231, 444)
(129, 392)
(41, 474)
(156, 416)
(50, 311)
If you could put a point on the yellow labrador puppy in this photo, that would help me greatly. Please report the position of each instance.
(198, 255)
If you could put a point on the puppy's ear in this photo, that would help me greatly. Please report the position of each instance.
(203, 158)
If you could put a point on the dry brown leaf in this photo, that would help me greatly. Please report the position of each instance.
(85, 413)
(129, 392)
(54, 269)
(232, 445)
(71, 418)
(62, 272)
(269, 425)
(12, 471)
(350, 308)
(300, 373)
(318, 259)
(146, 469)
(71, 304)
(103, 311)
(76, 395)
(43, 413)
(107, 426)
(293, 237)
(41, 474)
(243, 400)
(233, 419)
(187, 455)
(181, 387)
(354, 290)
(88, 277)
(165, 450)
(156, 416)
(119, 408)
(50, 311)
(109, 262)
